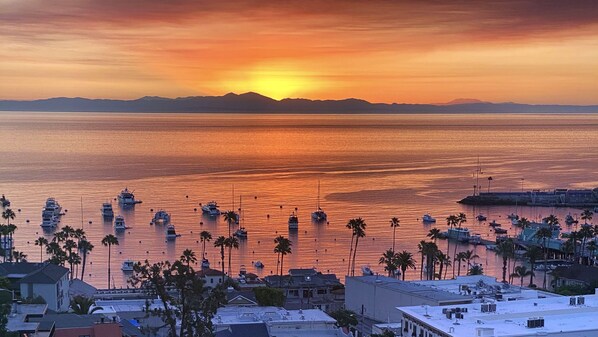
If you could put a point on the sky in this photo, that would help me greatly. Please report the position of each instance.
(426, 51)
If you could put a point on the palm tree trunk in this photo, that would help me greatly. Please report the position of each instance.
(459, 269)
(421, 269)
(354, 256)
(109, 266)
(83, 267)
(41, 253)
(403, 270)
(394, 230)
(350, 253)
(222, 264)
(230, 250)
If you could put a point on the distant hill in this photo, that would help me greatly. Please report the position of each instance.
(255, 103)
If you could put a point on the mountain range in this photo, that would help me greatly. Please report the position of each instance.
(255, 103)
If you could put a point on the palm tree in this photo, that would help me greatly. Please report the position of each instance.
(188, 257)
(522, 272)
(460, 257)
(394, 223)
(544, 234)
(221, 242)
(3, 232)
(282, 248)
(533, 254)
(506, 249)
(476, 269)
(82, 305)
(421, 248)
(586, 215)
(404, 261)
(469, 255)
(8, 214)
(69, 245)
(350, 226)
(461, 219)
(523, 222)
(358, 226)
(389, 260)
(230, 217)
(41, 242)
(109, 240)
(204, 237)
(434, 234)
(231, 242)
(451, 221)
(592, 247)
(19, 256)
(85, 247)
(586, 232)
(443, 261)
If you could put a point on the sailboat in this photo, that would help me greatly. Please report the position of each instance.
(319, 215)
(241, 232)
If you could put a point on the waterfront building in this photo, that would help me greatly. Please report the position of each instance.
(576, 275)
(212, 277)
(551, 316)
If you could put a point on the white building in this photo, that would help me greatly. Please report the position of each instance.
(51, 282)
(550, 316)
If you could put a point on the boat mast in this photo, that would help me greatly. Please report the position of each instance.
(81, 212)
(318, 204)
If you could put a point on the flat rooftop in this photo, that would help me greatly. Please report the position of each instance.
(118, 306)
(413, 288)
(236, 315)
(510, 318)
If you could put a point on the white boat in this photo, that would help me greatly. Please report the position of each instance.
(119, 223)
(481, 217)
(171, 232)
(241, 233)
(205, 263)
(319, 214)
(475, 239)
(161, 218)
(428, 218)
(293, 221)
(48, 220)
(4, 202)
(127, 265)
(211, 209)
(127, 198)
(460, 234)
(52, 206)
(366, 271)
(107, 211)
(51, 213)
(258, 264)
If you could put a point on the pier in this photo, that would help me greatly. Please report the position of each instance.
(561, 197)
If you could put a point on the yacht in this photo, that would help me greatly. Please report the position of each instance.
(107, 211)
(48, 220)
(127, 198)
(4, 202)
(475, 239)
(211, 209)
(498, 230)
(366, 271)
(481, 217)
(293, 221)
(494, 224)
(119, 223)
(52, 206)
(161, 218)
(258, 264)
(460, 234)
(241, 233)
(205, 263)
(319, 214)
(127, 265)
(427, 218)
(171, 232)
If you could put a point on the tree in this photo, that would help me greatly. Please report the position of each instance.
(109, 241)
(533, 254)
(8, 215)
(394, 223)
(19, 256)
(282, 248)
(191, 306)
(188, 257)
(522, 272)
(586, 216)
(434, 234)
(592, 247)
(85, 247)
(230, 217)
(269, 297)
(358, 229)
(461, 219)
(344, 318)
(460, 257)
(221, 242)
(544, 234)
(204, 237)
(476, 269)
(523, 222)
(82, 305)
(421, 248)
(41, 242)
(230, 243)
(469, 255)
(443, 261)
(506, 249)
(405, 261)
(69, 247)
(389, 260)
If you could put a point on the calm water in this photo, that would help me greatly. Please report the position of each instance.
(373, 167)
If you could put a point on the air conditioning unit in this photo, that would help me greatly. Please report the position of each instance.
(572, 301)
(492, 307)
(485, 307)
(581, 300)
(533, 323)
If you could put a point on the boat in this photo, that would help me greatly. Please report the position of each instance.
(161, 218)
(211, 209)
(498, 230)
(52, 206)
(293, 221)
(241, 233)
(4, 202)
(127, 198)
(127, 265)
(119, 223)
(366, 271)
(319, 214)
(513, 216)
(107, 211)
(481, 217)
(258, 264)
(171, 233)
(475, 239)
(51, 213)
(569, 220)
(460, 234)
(48, 220)
(205, 263)
(494, 224)
(427, 218)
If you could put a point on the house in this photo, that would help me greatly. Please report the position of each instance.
(575, 275)
(49, 281)
(243, 298)
(95, 325)
(212, 277)
(308, 288)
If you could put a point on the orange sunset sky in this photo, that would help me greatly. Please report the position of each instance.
(530, 51)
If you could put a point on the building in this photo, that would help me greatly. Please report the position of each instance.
(22, 318)
(212, 277)
(72, 325)
(273, 321)
(49, 281)
(308, 288)
(550, 316)
(576, 275)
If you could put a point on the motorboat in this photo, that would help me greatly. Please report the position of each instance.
(205, 263)
(481, 217)
(51, 213)
(127, 198)
(475, 239)
(258, 264)
(569, 220)
(366, 271)
(319, 214)
(171, 232)
(241, 233)
(513, 216)
(49, 220)
(498, 230)
(4, 202)
(127, 265)
(211, 209)
(119, 223)
(52, 206)
(107, 211)
(494, 224)
(293, 221)
(460, 234)
(427, 218)
(161, 218)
